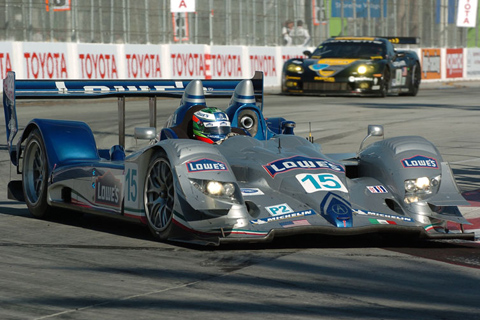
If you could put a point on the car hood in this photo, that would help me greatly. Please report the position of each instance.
(329, 67)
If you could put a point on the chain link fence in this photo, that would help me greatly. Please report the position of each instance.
(231, 22)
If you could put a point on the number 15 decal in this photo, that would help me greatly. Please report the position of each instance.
(320, 182)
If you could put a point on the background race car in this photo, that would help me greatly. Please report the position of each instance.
(354, 66)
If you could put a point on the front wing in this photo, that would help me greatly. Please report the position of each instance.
(309, 222)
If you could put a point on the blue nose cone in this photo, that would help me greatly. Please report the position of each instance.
(337, 211)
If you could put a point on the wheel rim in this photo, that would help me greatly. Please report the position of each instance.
(34, 172)
(159, 195)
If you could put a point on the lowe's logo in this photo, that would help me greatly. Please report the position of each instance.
(206, 165)
(420, 162)
(299, 162)
(108, 190)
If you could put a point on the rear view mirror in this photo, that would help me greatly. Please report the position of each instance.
(372, 131)
(147, 133)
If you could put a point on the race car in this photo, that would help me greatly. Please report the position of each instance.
(354, 66)
(260, 182)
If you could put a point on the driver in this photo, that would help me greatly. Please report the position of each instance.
(211, 125)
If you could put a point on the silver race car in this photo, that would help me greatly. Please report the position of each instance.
(259, 183)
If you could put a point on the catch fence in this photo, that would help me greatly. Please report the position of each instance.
(231, 22)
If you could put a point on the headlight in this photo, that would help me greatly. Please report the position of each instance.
(416, 189)
(422, 183)
(215, 188)
(362, 69)
(295, 68)
(410, 185)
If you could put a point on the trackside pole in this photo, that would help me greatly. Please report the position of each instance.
(152, 103)
(121, 121)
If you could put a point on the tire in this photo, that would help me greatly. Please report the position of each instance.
(415, 83)
(35, 176)
(385, 86)
(159, 196)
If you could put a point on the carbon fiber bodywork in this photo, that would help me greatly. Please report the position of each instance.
(260, 183)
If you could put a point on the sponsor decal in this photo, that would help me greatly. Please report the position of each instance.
(292, 78)
(318, 67)
(108, 190)
(143, 65)
(431, 64)
(299, 162)
(286, 57)
(325, 73)
(419, 161)
(327, 79)
(5, 64)
(188, 64)
(263, 63)
(320, 182)
(289, 224)
(357, 79)
(251, 192)
(94, 66)
(381, 221)
(337, 211)
(279, 209)
(206, 165)
(377, 189)
(227, 65)
(336, 62)
(45, 65)
(454, 63)
(434, 227)
(284, 216)
(382, 215)
(399, 63)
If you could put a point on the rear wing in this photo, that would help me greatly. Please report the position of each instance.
(91, 89)
(403, 40)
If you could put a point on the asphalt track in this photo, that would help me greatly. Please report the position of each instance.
(90, 267)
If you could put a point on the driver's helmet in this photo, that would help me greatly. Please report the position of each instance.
(210, 125)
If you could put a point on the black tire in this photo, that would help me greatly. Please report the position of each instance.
(159, 196)
(385, 86)
(35, 176)
(415, 81)
(248, 120)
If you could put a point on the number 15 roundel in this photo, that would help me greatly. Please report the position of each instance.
(320, 182)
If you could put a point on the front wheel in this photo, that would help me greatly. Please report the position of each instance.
(159, 196)
(385, 86)
(35, 175)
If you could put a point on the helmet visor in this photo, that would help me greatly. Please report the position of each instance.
(223, 130)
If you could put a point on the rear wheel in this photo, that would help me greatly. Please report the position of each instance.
(159, 196)
(415, 81)
(35, 175)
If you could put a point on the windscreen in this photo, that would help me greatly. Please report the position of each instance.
(349, 49)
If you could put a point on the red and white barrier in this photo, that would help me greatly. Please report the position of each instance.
(44, 60)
